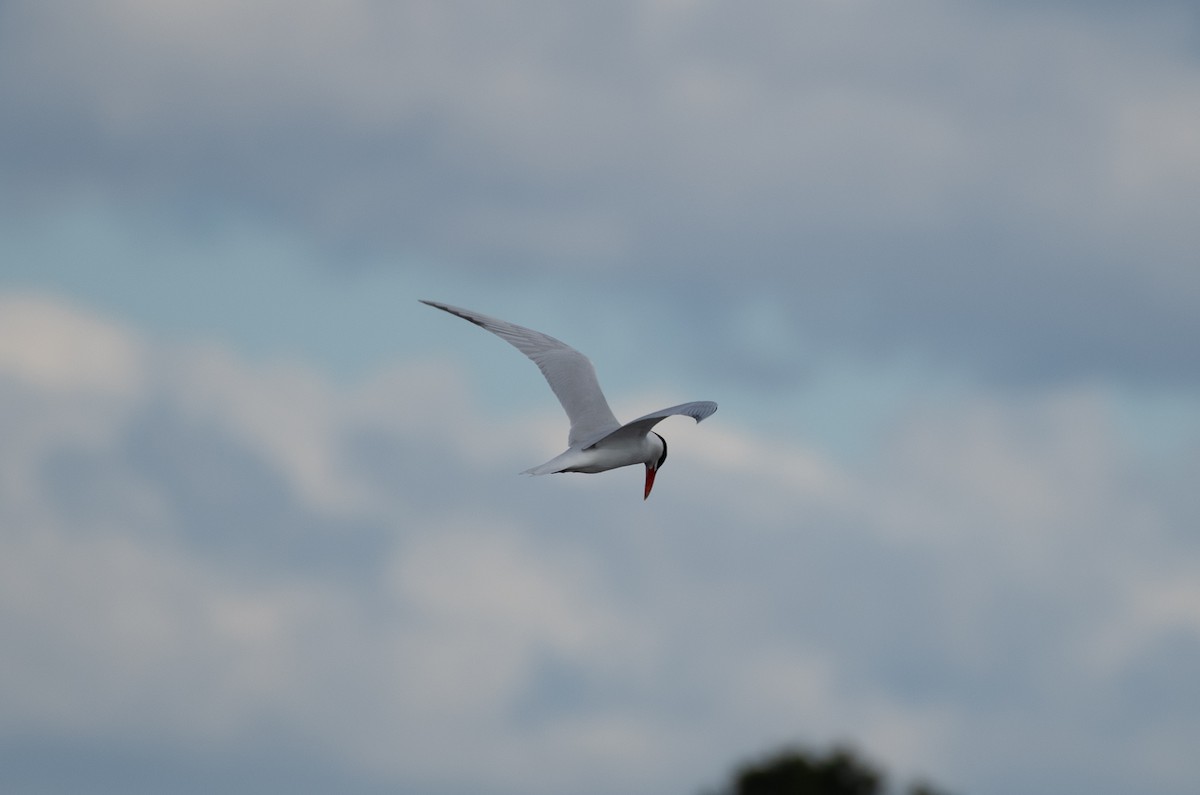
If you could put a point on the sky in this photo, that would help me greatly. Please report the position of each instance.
(261, 529)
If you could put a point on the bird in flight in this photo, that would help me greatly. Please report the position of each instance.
(596, 442)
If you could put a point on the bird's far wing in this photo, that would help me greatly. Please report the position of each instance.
(569, 373)
(697, 410)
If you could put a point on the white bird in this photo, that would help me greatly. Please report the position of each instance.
(596, 442)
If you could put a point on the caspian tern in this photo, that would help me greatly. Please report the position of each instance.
(596, 442)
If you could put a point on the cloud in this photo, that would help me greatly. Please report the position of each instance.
(54, 348)
(210, 566)
(1000, 188)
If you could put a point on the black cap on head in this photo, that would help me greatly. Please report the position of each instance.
(662, 458)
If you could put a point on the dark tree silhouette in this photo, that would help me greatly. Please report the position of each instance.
(795, 771)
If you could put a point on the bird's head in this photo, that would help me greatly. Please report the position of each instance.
(652, 467)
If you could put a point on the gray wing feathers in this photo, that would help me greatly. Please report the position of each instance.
(697, 410)
(569, 373)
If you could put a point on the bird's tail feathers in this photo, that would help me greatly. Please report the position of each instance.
(559, 463)
(545, 469)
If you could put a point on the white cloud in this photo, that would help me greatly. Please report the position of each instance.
(59, 349)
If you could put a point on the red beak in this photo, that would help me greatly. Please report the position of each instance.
(650, 473)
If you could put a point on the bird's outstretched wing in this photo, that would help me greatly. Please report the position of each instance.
(569, 373)
(697, 410)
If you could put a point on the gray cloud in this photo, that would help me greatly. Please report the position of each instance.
(1001, 189)
(210, 568)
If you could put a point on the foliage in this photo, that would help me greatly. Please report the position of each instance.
(796, 771)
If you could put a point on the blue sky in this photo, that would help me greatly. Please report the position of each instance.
(261, 527)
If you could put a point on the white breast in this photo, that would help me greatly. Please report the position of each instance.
(609, 454)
